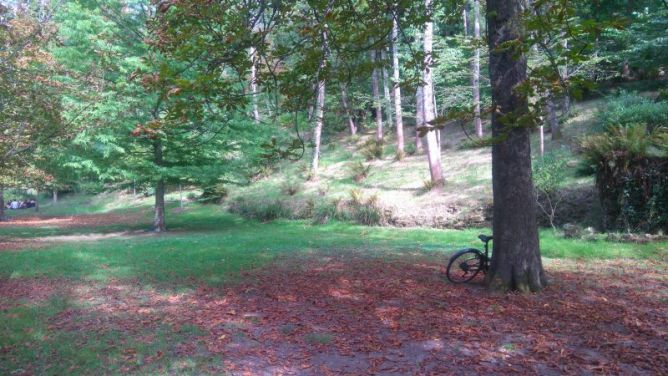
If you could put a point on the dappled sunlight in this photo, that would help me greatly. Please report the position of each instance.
(357, 314)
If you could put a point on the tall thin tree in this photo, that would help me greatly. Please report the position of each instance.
(376, 97)
(396, 89)
(475, 69)
(431, 138)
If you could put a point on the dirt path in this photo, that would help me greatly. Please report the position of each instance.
(354, 315)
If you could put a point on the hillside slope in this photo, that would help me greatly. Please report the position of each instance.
(401, 187)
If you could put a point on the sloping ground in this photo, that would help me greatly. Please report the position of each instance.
(351, 314)
(464, 201)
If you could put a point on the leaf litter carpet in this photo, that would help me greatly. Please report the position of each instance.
(348, 313)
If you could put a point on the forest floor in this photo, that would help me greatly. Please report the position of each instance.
(464, 200)
(222, 295)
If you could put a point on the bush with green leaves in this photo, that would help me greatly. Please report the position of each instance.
(291, 187)
(213, 194)
(261, 210)
(372, 149)
(549, 172)
(630, 163)
(359, 170)
(628, 109)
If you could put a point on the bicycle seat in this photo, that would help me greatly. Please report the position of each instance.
(484, 238)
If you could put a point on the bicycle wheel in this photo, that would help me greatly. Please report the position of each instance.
(464, 265)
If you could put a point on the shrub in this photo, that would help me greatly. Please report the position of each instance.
(291, 187)
(213, 194)
(410, 148)
(359, 170)
(372, 149)
(324, 213)
(548, 174)
(323, 189)
(631, 109)
(367, 211)
(630, 164)
(261, 210)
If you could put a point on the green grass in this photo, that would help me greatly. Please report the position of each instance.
(206, 246)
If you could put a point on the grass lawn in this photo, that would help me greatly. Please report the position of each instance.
(78, 298)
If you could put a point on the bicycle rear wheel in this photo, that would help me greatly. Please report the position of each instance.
(464, 265)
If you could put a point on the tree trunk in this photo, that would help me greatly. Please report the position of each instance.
(55, 196)
(431, 138)
(465, 18)
(253, 84)
(541, 132)
(319, 110)
(565, 75)
(419, 117)
(516, 263)
(2, 204)
(159, 217)
(346, 108)
(552, 118)
(386, 91)
(180, 196)
(36, 200)
(396, 89)
(475, 80)
(376, 98)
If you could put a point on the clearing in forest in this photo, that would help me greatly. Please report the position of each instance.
(295, 299)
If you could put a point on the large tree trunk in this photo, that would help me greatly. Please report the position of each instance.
(346, 108)
(386, 91)
(319, 110)
(376, 98)
(431, 138)
(253, 84)
(419, 117)
(475, 80)
(516, 262)
(159, 217)
(396, 89)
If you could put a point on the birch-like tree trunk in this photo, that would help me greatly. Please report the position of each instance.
(516, 262)
(55, 196)
(253, 84)
(431, 138)
(475, 80)
(376, 98)
(159, 215)
(346, 107)
(319, 109)
(396, 89)
(386, 90)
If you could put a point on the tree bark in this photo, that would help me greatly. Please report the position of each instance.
(541, 132)
(346, 108)
(2, 204)
(552, 117)
(159, 217)
(431, 138)
(396, 89)
(475, 80)
(55, 196)
(386, 90)
(37, 200)
(253, 84)
(516, 263)
(376, 98)
(319, 110)
(419, 117)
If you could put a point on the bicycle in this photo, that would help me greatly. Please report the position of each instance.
(465, 264)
